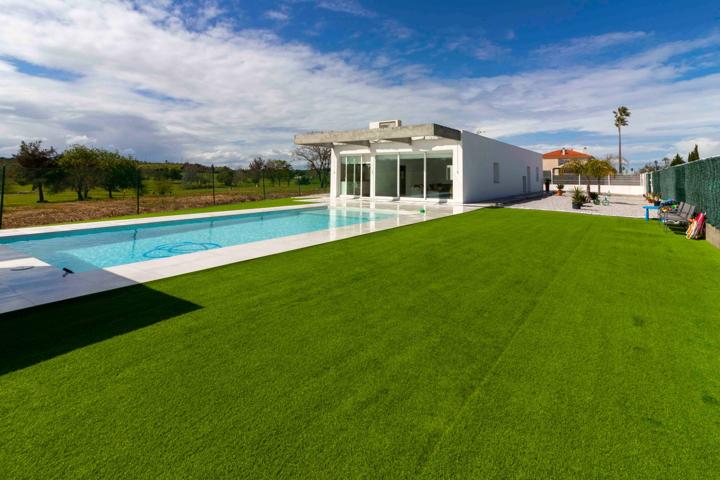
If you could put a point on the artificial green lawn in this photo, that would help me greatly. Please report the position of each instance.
(499, 343)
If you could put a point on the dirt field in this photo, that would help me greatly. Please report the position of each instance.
(66, 212)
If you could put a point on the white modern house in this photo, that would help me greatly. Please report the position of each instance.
(427, 162)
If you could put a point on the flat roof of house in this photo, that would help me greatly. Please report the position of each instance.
(403, 134)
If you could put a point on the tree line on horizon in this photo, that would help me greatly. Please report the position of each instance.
(82, 168)
(666, 162)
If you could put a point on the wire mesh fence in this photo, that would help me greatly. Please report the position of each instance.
(697, 183)
(28, 200)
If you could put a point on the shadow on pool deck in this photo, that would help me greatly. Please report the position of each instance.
(40, 333)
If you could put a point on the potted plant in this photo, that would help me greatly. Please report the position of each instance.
(595, 198)
(560, 187)
(547, 185)
(656, 200)
(578, 198)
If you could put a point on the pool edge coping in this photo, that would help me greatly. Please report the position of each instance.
(110, 278)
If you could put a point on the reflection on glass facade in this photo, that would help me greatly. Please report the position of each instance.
(439, 175)
(350, 175)
(409, 175)
(412, 178)
(386, 175)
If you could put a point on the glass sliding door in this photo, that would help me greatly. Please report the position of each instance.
(356, 176)
(439, 175)
(350, 175)
(365, 175)
(386, 175)
(412, 175)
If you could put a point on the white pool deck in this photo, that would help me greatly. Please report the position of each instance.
(22, 287)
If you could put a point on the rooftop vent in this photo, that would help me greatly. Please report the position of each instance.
(385, 124)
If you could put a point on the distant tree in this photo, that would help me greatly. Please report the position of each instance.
(317, 158)
(271, 170)
(37, 166)
(240, 175)
(81, 169)
(694, 154)
(191, 175)
(163, 186)
(648, 167)
(257, 169)
(226, 176)
(278, 170)
(116, 171)
(677, 160)
(621, 120)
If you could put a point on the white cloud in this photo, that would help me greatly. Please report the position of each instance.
(79, 140)
(281, 14)
(487, 50)
(352, 7)
(587, 45)
(149, 82)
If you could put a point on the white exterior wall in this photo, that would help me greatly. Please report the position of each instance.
(473, 158)
(478, 155)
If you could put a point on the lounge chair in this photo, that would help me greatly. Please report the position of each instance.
(680, 218)
(677, 210)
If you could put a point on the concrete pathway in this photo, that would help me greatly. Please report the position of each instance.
(620, 206)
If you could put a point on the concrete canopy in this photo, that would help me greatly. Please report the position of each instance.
(403, 134)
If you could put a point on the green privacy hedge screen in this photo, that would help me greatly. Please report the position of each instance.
(697, 183)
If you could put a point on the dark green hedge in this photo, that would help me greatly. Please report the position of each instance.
(697, 183)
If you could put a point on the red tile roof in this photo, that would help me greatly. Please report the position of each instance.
(566, 153)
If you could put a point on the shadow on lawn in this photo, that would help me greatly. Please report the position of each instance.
(40, 333)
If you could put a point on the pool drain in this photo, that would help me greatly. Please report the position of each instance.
(22, 268)
(171, 249)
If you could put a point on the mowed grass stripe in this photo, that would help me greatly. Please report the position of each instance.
(361, 358)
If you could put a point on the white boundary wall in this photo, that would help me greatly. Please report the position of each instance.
(616, 189)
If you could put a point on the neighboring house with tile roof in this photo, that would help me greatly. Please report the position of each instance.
(552, 161)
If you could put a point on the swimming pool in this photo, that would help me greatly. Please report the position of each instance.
(90, 249)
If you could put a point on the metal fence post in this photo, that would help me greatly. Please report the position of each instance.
(2, 193)
(137, 193)
(262, 176)
(212, 173)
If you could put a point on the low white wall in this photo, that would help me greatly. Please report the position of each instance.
(612, 189)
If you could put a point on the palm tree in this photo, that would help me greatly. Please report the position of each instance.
(621, 120)
(578, 167)
(600, 168)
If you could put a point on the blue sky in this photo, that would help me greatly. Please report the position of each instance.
(223, 81)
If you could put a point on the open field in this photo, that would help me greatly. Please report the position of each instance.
(119, 211)
(21, 209)
(23, 195)
(499, 343)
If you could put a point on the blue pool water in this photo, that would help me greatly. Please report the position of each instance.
(84, 250)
